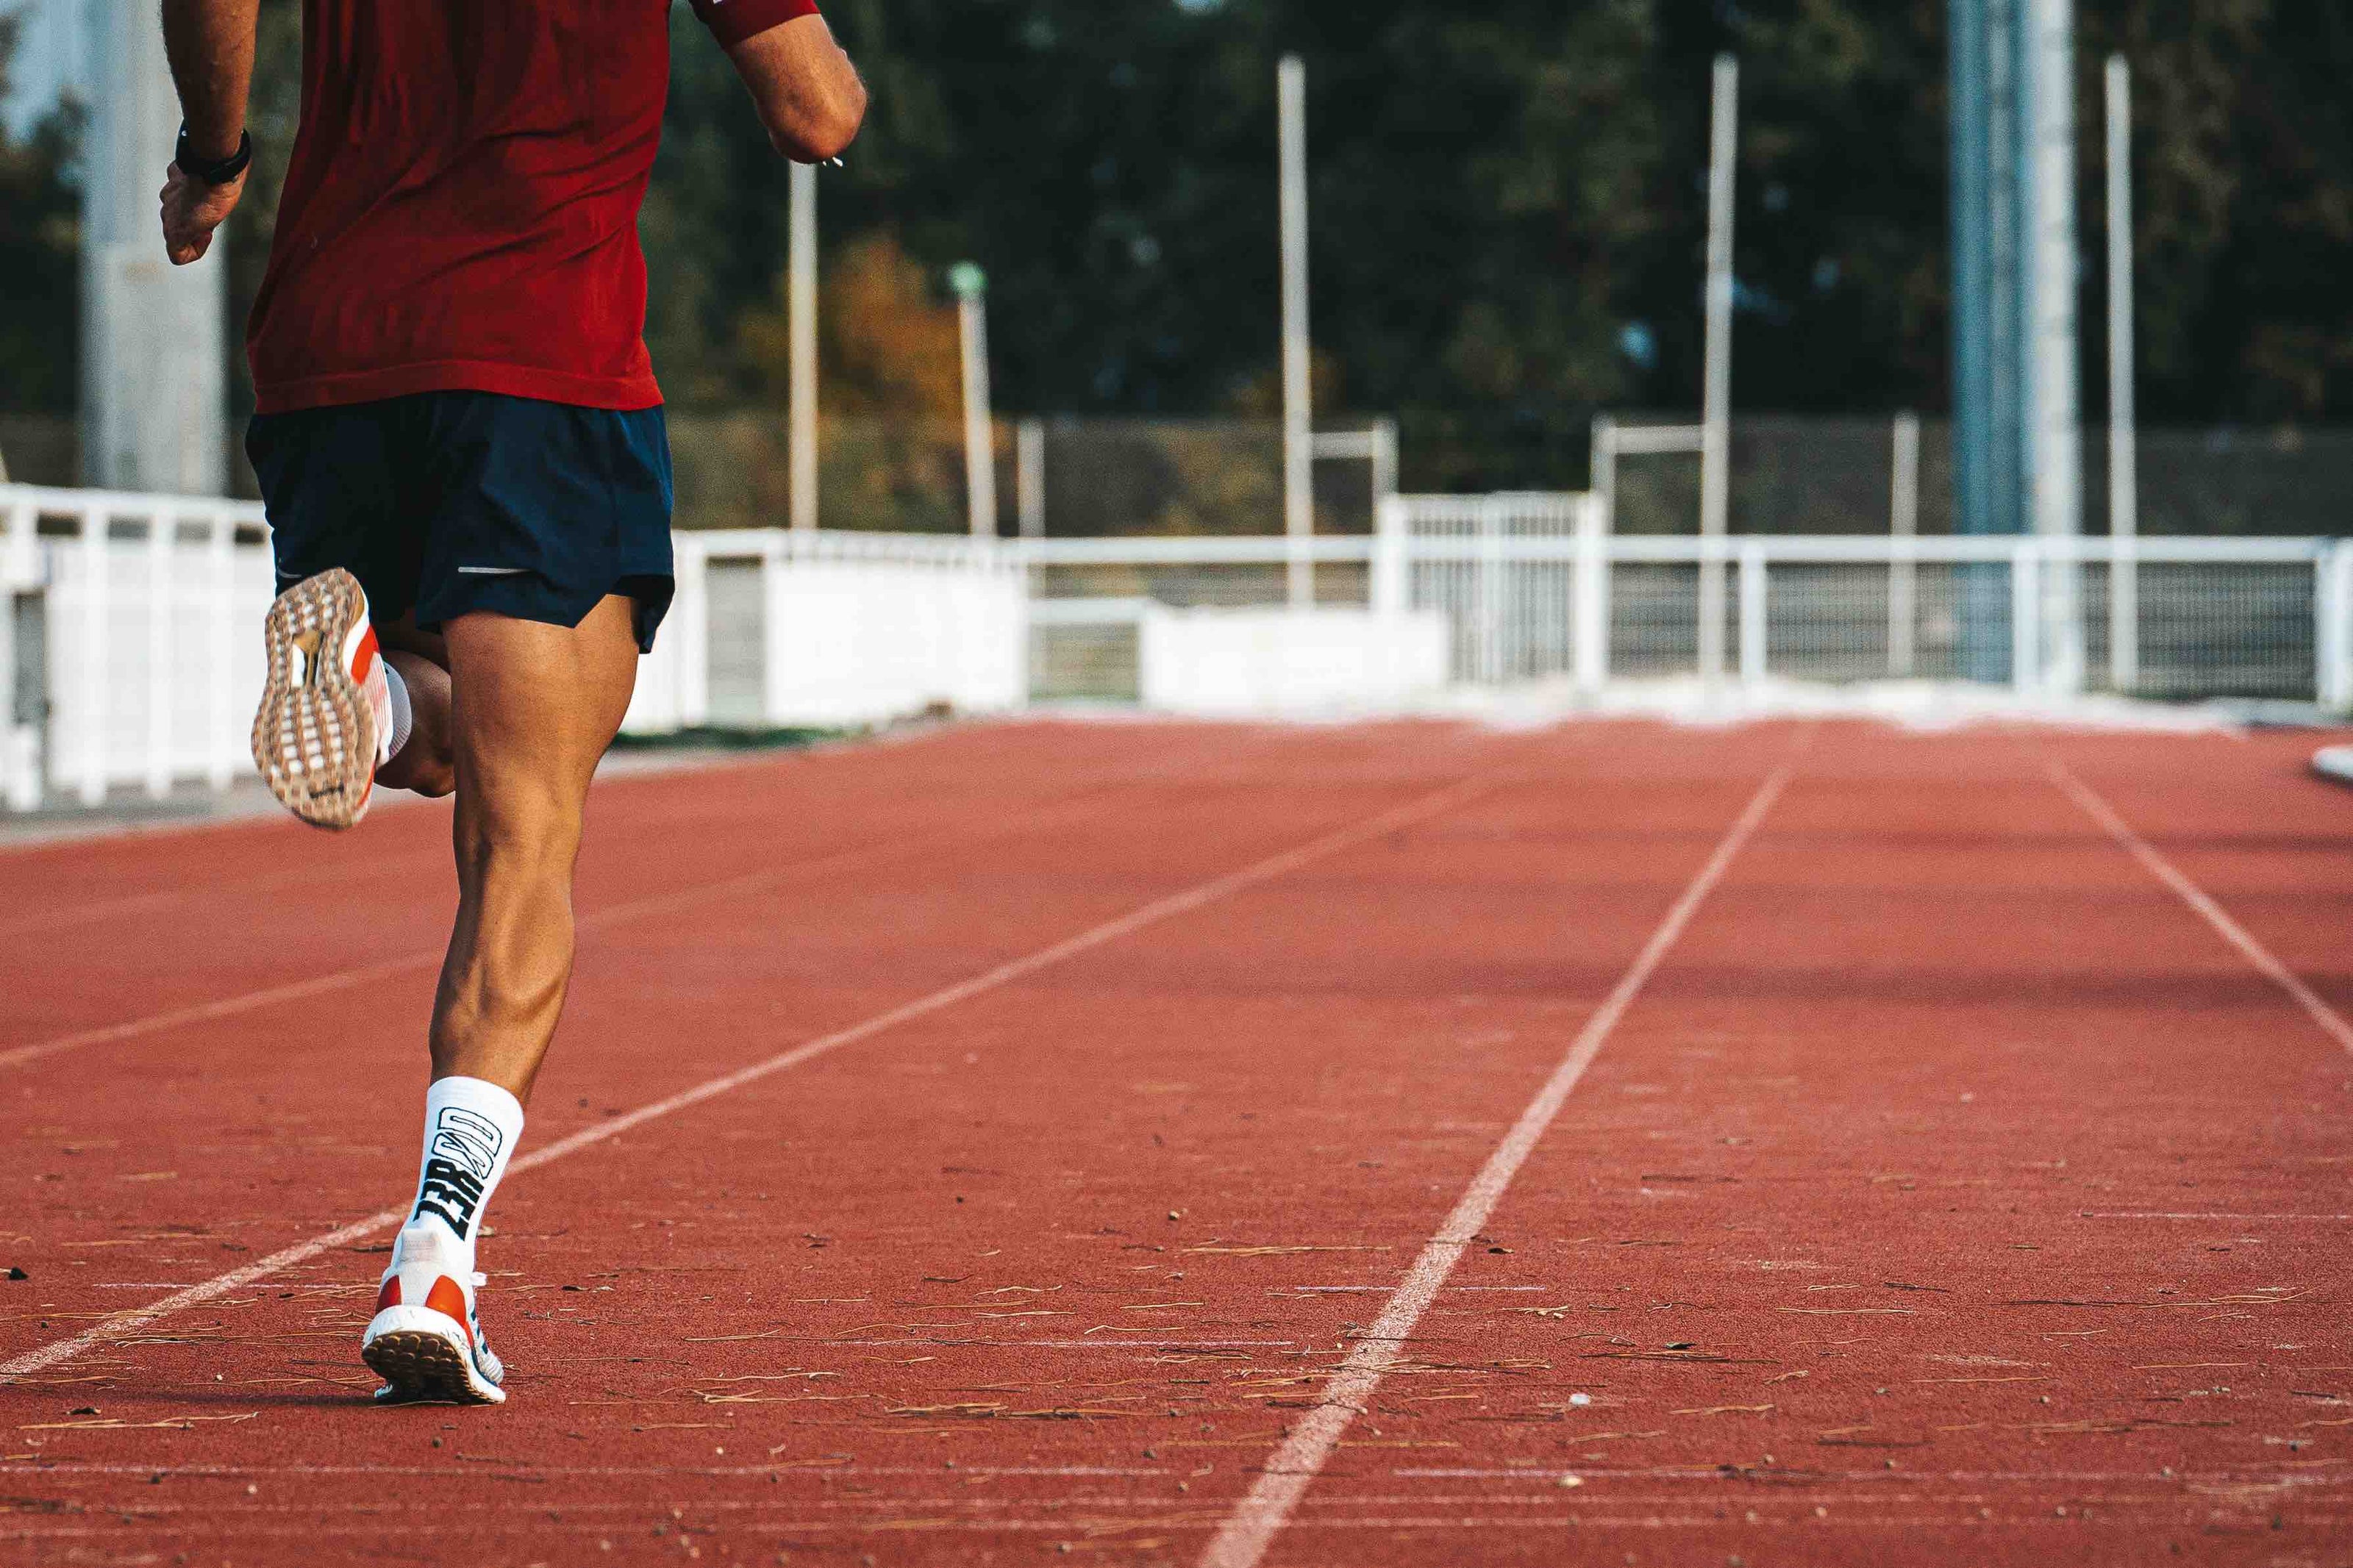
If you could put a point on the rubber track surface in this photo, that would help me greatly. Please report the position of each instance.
(1952, 1191)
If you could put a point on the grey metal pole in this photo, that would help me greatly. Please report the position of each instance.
(801, 310)
(1716, 440)
(2123, 454)
(1298, 390)
(971, 286)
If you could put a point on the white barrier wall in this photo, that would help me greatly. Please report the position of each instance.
(1283, 661)
(835, 630)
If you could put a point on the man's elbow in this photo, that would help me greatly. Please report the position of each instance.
(824, 131)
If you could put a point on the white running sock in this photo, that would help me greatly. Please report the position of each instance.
(404, 718)
(471, 1128)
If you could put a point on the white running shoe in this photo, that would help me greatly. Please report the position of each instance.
(425, 1340)
(326, 711)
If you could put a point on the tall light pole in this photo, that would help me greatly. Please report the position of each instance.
(801, 311)
(154, 365)
(971, 286)
(2055, 395)
(2124, 454)
(1716, 418)
(1298, 388)
(2017, 431)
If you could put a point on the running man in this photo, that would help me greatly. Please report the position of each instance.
(461, 449)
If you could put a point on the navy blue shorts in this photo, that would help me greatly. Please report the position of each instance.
(448, 502)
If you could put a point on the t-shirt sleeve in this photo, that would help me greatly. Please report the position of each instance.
(733, 21)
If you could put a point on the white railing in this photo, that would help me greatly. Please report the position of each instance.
(1535, 586)
(130, 619)
(129, 640)
(131, 658)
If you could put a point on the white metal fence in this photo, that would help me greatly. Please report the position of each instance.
(130, 631)
(1534, 586)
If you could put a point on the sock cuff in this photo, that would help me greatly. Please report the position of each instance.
(476, 1094)
(472, 1127)
(404, 719)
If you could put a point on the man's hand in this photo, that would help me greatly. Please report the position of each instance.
(192, 210)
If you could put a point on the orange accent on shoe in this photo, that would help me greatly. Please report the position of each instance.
(390, 1295)
(448, 1299)
(364, 657)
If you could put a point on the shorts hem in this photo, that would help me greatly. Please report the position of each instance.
(528, 597)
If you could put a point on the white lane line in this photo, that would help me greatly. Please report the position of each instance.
(2332, 1022)
(1261, 1515)
(424, 958)
(119, 1324)
(2152, 1213)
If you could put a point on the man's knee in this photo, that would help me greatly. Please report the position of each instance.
(528, 826)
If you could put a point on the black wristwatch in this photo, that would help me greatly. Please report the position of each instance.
(214, 173)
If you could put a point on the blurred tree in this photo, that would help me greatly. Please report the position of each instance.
(40, 269)
(2243, 160)
(1508, 199)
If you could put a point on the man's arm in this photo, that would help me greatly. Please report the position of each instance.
(210, 43)
(808, 93)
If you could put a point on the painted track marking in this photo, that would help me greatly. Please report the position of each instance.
(344, 979)
(130, 1321)
(1261, 1515)
(2332, 1022)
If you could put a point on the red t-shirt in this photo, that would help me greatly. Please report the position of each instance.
(461, 211)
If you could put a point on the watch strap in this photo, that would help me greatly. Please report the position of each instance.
(215, 172)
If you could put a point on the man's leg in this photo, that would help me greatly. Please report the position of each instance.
(428, 762)
(529, 709)
(532, 709)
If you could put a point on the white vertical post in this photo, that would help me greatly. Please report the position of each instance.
(1903, 524)
(801, 310)
(2124, 452)
(971, 286)
(1385, 460)
(2333, 604)
(1591, 623)
(1603, 465)
(160, 666)
(1715, 439)
(223, 743)
(2025, 614)
(1752, 610)
(95, 733)
(691, 610)
(1491, 590)
(1298, 388)
(1391, 592)
(1029, 477)
(20, 779)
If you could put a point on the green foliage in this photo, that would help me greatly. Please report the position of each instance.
(40, 237)
(1508, 206)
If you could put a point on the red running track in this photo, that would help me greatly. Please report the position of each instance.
(1928, 1179)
